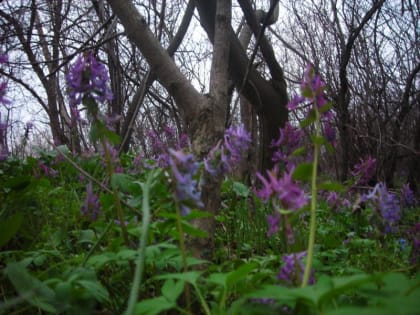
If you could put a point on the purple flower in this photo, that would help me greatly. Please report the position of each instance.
(160, 144)
(88, 78)
(407, 195)
(273, 223)
(114, 158)
(184, 168)
(312, 85)
(284, 189)
(48, 171)
(332, 198)
(329, 132)
(223, 158)
(237, 141)
(290, 138)
(386, 203)
(364, 171)
(295, 102)
(217, 162)
(91, 207)
(292, 270)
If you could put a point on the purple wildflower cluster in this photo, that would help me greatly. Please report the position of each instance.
(292, 270)
(87, 78)
(364, 171)
(312, 89)
(223, 157)
(335, 201)
(290, 139)
(184, 168)
(407, 196)
(386, 204)
(284, 189)
(46, 170)
(168, 139)
(91, 207)
(113, 156)
(284, 193)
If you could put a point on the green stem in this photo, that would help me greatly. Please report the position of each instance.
(142, 249)
(202, 300)
(101, 237)
(312, 224)
(183, 252)
(115, 194)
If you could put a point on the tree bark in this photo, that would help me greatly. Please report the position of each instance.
(269, 98)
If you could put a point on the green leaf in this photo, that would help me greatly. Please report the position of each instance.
(31, 289)
(239, 274)
(121, 182)
(98, 261)
(240, 189)
(10, 227)
(86, 236)
(111, 136)
(308, 120)
(331, 186)
(190, 276)
(197, 214)
(326, 107)
(303, 172)
(95, 289)
(299, 152)
(171, 290)
(193, 231)
(320, 140)
(153, 306)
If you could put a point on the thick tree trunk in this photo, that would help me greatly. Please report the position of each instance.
(269, 98)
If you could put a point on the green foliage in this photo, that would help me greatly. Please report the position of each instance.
(55, 260)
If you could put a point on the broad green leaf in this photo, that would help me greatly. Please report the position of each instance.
(240, 274)
(153, 306)
(95, 289)
(193, 231)
(240, 189)
(9, 227)
(171, 290)
(308, 120)
(121, 182)
(30, 288)
(320, 140)
(303, 172)
(190, 276)
(331, 186)
(98, 261)
(299, 151)
(87, 236)
(127, 254)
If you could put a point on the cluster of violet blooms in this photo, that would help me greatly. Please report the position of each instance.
(223, 157)
(221, 160)
(279, 187)
(87, 82)
(168, 139)
(87, 78)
